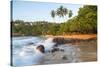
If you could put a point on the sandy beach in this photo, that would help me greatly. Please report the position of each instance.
(75, 36)
(86, 50)
(74, 50)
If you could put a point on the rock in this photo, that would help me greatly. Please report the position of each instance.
(56, 49)
(31, 43)
(62, 50)
(60, 40)
(64, 57)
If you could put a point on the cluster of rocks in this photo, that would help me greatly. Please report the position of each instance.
(56, 49)
(62, 40)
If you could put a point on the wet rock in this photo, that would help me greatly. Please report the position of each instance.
(64, 57)
(31, 43)
(56, 49)
(62, 50)
(61, 40)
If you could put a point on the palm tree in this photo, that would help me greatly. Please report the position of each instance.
(70, 13)
(65, 11)
(53, 14)
(62, 12)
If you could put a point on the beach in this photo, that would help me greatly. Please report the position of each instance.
(86, 45)
(75, 50)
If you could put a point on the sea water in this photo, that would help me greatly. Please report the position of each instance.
(23, 50)
(24, 53)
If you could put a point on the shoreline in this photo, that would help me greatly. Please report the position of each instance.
(71, 36)
(74, 36)
(87, 49)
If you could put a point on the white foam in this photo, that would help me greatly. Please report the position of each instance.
(26, 54)
(48, 44)
(34, 56)
(25, 41)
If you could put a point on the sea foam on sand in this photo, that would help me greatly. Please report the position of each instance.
(29, 55)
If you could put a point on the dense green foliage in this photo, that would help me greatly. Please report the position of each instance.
(84, 22)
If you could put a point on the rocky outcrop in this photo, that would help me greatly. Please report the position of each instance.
(62, 40)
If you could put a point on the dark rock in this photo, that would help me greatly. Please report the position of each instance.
(41, 48)
(62, 50)
(61, 40)
(31, 43)
(64, 58)
(56, 49)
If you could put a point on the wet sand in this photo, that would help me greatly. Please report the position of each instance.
(87, 52)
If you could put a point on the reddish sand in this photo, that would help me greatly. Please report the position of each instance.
(76, 36)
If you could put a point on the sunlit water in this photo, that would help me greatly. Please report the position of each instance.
(24, 53)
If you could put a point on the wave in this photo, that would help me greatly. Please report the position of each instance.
(25, 54)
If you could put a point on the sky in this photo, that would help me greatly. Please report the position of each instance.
(31, 11)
